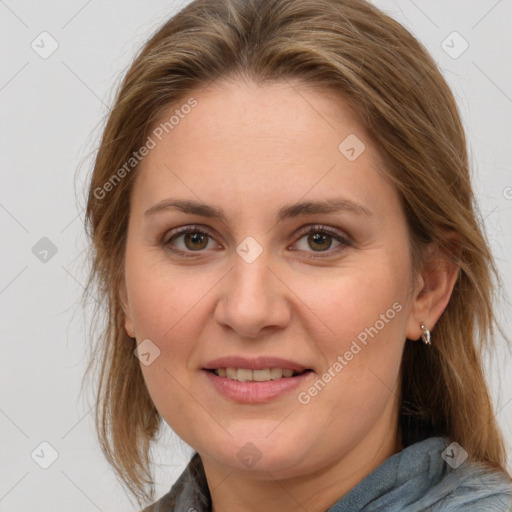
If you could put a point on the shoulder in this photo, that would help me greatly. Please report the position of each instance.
(425, 477)
(473, 487)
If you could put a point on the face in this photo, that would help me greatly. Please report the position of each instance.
(270, 286)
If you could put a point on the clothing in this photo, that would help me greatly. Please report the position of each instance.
(417, 479)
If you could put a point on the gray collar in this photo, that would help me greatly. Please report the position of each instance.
(419, 477)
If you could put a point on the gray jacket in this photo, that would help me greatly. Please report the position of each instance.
(429, 476)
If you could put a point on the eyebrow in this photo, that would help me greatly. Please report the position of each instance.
(286, 212)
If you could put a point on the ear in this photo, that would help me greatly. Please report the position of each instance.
(435, 285)
(128, 322)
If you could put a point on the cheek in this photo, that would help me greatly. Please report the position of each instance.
(165, 304)
(168, 309)
(357, 299)
(161, 295)
(365, 311)
(361, 360)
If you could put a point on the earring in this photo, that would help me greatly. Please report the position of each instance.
(426, 334)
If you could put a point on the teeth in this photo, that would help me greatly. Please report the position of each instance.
(243, 375)
(276, 373)
(247, 375)
(260, 375)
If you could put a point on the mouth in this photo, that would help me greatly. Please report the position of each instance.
(256, 381)
(258, 375)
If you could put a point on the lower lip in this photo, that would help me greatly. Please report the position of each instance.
(256, 392)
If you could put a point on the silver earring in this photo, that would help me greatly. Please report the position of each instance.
(426, 334)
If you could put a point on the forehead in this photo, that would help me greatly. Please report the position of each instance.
(282, 113)
(267, 142)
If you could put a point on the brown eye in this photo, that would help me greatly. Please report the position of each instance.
(195, 241)
(316, 239)
(319, 239)
(188, 239)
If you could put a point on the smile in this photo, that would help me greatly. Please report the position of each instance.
(248, 375)
(255, 386)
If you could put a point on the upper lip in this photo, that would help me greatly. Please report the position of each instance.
(257, 363)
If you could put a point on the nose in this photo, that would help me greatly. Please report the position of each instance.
(254, 299)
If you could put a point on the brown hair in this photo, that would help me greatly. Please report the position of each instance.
(387, 76)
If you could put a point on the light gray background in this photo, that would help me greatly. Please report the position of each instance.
(51, 111)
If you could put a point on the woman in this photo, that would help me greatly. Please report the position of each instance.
(284, 232)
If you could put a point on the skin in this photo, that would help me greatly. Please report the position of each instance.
(250, 150)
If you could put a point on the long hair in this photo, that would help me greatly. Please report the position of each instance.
(400, 96)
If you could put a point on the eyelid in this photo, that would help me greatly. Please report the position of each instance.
(185, 229)
(322, 228)
(343, 238)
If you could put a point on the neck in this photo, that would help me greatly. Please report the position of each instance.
(316, 491)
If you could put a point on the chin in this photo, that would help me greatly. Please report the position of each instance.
(259, 456)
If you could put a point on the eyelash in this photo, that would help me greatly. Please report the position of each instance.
(317, 228)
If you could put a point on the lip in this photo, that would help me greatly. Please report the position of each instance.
(255, 392)
(257, 363)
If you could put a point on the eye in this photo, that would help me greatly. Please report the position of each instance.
(195, 239)
(320, 238)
